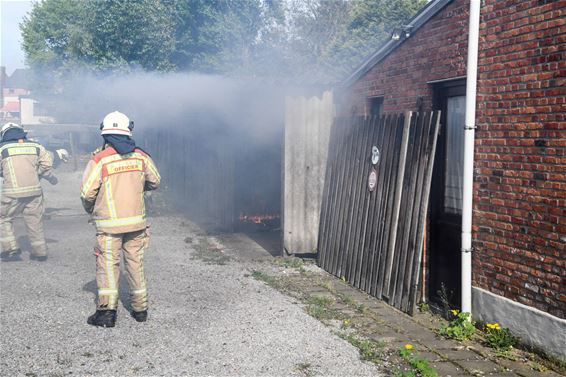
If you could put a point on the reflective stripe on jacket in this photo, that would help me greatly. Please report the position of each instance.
(22, 164)
(113, 186)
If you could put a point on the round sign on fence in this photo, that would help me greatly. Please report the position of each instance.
(374, 155)
(372, 180)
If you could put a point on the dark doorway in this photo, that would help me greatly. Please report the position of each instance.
(446, 196)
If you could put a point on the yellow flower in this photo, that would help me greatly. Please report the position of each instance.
(346, 322)
(408, 347)
(454, 312)
(493, 326)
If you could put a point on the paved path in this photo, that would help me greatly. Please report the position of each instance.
(205, 318)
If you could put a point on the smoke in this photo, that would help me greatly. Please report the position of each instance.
(217, 140)
(179, 102)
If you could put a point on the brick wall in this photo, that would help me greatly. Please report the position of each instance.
(438, 50)
(520, 170)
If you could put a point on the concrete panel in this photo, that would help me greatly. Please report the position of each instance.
(307, 134)
(534, 327)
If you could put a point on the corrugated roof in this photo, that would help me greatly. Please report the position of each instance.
(422, 16)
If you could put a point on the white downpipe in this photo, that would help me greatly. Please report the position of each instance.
(469, 138)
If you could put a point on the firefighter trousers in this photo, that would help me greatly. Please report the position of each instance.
(32, 210)
(108, 249)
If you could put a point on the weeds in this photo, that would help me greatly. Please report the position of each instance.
(424, 307)
(370, 350)
(272, 281)
(318, 307)
(327, 285)
(419, 365)
(290, 262)
(499, 338)
(348, 300)
(460, 327)
(445, 299)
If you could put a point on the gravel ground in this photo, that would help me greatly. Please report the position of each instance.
(205, 318)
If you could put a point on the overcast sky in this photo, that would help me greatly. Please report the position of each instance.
(12, 13)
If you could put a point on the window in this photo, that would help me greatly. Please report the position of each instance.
(454, 162)
(375, 106)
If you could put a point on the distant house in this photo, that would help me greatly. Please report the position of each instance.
(17, 105)
(519, 176)
(12, 88)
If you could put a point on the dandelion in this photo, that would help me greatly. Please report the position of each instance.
(493, 326)
(408, 347)
(346, 322)
(454, 312)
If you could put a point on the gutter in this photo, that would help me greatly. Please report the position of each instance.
(469, 139)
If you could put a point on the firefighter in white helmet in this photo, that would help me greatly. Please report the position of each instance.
(112, 191)
(22, 164)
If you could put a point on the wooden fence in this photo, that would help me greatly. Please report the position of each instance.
(307, 132)
(374, 237)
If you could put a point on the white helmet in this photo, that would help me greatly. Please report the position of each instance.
(7, 127)
(116, 123)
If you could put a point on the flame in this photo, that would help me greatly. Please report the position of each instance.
(258, 219)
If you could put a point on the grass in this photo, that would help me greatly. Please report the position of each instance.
(318, 307)
(208, 254)
(419, 365)
(289, 262)
(267, 279)
(370, 350)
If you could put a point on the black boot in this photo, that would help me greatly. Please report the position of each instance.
(11, 255)
(140, 316)
(103, 318)
(39, 258)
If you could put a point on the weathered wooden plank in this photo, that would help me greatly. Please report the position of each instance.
(409, 203)
(358, 188)
(345, 201)
(421, 221)
(376, 127)
(380, 139)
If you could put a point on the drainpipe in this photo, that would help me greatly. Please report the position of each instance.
(469, 138)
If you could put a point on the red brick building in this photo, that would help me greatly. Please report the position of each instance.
(519, 202)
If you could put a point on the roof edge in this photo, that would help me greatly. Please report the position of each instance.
(418, 20)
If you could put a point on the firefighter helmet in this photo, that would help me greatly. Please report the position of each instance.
(116, 123)
(9, 126)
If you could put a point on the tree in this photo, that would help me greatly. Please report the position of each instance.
(313, 41)
(62, 35)
(333, 37)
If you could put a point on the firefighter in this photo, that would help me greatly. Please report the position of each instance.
(112, 191)
(22, 164)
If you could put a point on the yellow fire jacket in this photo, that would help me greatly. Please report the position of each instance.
(113, 186)
(22, 164)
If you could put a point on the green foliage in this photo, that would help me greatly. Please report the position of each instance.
(499, 338)
(419, 365)
(424, 307)
(61, 35)
(370, 350)
(459, 328)
(331, 38)
(314, 40)
(154, 35)
(289, 262)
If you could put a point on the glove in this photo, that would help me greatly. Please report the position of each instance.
(62, 154)
(52, 179)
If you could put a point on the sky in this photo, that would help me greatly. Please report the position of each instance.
(12, 13)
